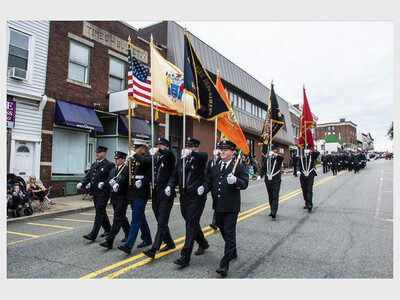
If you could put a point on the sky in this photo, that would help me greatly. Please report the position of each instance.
(347, 67)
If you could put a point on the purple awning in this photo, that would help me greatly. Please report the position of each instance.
(77, 116)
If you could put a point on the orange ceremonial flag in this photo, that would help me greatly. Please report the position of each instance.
(228, 125)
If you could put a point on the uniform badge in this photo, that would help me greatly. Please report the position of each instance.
(192, 167)
(162, 164)
(102, 169)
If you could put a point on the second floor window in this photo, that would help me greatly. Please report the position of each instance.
(79, 62)
(116, 80)
(18, 51)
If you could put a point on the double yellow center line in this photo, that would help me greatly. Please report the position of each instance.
(206, 230)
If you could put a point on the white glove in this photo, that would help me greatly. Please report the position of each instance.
(168, 191)
(153, 151)
(112, 182)
(115, 187)
(298, 173)
(215, 152)
(231, 179)
(258, 177)
(79, 186)
(138, 183)
(200, 190)
(100, 185)
(186, 152)
(132, 154)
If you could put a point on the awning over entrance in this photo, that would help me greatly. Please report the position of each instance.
(139, 127)
(76, 115)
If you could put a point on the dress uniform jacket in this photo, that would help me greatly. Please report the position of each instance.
(122, 180)
(306, 159)
(226, 197)
(164, 166)
(141, 170)
(194, 173)
(266, 165)
(99, 172)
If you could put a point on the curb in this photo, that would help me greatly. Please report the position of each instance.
(50, 214)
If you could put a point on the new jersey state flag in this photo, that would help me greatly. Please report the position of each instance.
(228, 124)
(167, 85)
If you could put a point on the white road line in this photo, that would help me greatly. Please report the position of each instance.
(378, 204)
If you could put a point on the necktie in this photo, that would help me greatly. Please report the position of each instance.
(223, 168)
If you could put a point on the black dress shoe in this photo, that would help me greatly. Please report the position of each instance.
(167, 247)
(201, 250)
(234, 256)
(181, 262)
(150, 253)
(273, 216)
(270, 214)
(305, 207)
(126, 249)
(104, 234)
(213, 226)
(141, 245)
(123, 240)
(89, 237)
(107, 245)
(222, 271)
(309, 209)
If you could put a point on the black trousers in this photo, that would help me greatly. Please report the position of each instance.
(162, 206)
(273, 194)
(192, 208)
(226, 223)
(101, 218)
(120, 220)
(325, 168)
(334, 170)
(307, 187)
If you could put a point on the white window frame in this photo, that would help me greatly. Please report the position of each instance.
(87, 68)
(31, 46)
(123, 79)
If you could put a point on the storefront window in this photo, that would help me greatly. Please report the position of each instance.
(69, 151)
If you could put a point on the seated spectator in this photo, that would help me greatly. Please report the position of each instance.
(37, 190)
(16, 199)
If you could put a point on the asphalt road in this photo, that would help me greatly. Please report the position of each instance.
(349, 234)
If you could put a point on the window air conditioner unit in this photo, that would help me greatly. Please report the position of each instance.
(17, 73)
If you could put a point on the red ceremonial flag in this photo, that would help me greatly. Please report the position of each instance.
(306, 124)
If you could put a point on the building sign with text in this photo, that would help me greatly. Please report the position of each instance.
(100, 35)
(10, 113)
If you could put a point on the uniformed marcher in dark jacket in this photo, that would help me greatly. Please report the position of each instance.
(96, 176)
(306, 171)
(212, 162)
(118, 186)
(334, 163)
(138, 195)
(271, 168)
(225, 184)
(192, 205)
(295, 159)
(161, 203)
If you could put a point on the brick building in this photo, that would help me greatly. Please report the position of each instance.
(346, 131)
(87, 62)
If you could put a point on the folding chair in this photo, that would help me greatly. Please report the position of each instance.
(87, 196)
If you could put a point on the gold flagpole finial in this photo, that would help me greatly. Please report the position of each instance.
(304, 86)
(272, 82)
(129, 39)
(151, 38)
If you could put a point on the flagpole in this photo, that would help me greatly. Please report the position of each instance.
(129, 124)
(215, 133)
(152, 117)
(270, 128)
(184, 133)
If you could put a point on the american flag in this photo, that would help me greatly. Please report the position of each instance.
(139, 84)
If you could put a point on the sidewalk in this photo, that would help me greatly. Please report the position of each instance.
(63, 205)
